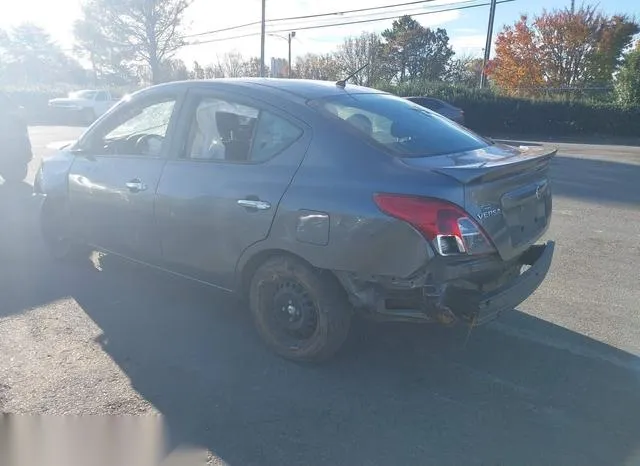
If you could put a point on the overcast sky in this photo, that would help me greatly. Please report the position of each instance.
(466, 28)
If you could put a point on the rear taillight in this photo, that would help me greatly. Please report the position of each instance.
(449, 228)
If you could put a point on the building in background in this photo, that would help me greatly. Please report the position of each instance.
(279, 68)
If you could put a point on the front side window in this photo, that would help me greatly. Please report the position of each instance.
(138, 130)
(227, 131)
(399, 126)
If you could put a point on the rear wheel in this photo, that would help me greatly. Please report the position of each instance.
(54, 225)
(301, 313)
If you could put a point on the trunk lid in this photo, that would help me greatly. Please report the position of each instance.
(506, 190)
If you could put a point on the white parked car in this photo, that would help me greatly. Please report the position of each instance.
(88, 104)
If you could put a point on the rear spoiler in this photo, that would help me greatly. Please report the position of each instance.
(491, 170)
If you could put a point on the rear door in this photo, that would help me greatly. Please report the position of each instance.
(113, 179)
(220, 194)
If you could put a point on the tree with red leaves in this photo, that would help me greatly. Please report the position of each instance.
(560, 49)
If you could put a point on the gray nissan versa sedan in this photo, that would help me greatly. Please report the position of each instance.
(314, 200)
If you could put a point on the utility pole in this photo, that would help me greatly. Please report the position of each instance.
(573, 6)
(262, 37)
(487, 47)
(291, 36)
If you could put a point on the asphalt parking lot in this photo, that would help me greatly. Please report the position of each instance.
(554, 382)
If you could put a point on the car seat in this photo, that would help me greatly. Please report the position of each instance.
(361, 122)
(207, 144)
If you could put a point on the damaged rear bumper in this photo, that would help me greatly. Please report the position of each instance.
(506, 298)
(452, 292)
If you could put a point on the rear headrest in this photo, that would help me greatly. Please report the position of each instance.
(361, 122)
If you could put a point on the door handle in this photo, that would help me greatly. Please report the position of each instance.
(135, 185)
(254, 204)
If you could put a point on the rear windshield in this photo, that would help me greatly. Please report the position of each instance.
(400, 126)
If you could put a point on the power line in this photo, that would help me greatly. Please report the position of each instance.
(410, 11)
(242, 36)
(319, 15)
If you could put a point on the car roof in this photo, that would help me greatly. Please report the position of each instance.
(306, 89)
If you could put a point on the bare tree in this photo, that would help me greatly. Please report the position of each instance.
(28, 55)
(198, 72)
(252, 67)
(312, 66)
(147, 31)
(358, 51)
(231, 65)
(465, 70)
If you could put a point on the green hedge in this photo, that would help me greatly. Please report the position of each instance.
(491, 113)
(485, 111)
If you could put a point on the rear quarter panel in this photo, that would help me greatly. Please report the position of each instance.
(335, 184)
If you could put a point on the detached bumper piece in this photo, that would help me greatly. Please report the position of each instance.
(479, 308)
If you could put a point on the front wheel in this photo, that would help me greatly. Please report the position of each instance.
(301, 313)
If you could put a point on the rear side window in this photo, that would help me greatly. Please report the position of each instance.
(227, 131)
(273, 135)
(400, 126)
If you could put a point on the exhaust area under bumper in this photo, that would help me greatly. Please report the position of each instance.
(452, 300)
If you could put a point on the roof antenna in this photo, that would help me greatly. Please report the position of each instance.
(343, 82)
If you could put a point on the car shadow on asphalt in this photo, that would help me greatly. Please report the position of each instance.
(519, 390)
(594, 140)
(592, 179)
(511, 142)
(596, 180)
(24, 281)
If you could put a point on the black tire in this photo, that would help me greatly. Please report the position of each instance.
(324, 314)
(15, 173)
(54, 227)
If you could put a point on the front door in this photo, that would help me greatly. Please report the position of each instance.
(113, 179)
(221, 194)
